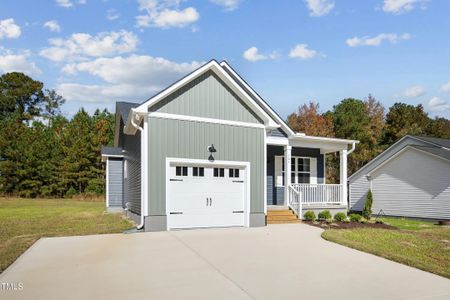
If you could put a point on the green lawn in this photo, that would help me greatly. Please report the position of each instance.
(419, 244)
(24, 221)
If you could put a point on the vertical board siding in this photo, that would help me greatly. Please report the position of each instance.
(358, 183)
(208, 97)
(275, 194)
(187, 139)
(115, 182)
(413, 184)
(132, 171)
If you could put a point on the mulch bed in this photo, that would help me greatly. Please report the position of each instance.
(343, 225)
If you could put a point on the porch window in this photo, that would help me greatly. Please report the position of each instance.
(303, 170)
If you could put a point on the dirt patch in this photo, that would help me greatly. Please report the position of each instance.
(350, 225)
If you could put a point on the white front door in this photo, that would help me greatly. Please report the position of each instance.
(199, 195)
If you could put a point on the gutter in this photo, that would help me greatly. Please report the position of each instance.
(133, 115)
(353, 148)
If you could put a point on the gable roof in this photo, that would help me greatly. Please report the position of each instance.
(441, 152)
(437, 141)
(256, 97)
(430, 145)
(213, 66)
(123, 108)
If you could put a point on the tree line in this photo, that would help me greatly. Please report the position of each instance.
(44, 154)
(367, 121)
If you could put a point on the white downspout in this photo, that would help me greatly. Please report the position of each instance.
(353, 148)
(133, 114)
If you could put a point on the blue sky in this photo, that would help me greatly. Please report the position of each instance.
(97, 52)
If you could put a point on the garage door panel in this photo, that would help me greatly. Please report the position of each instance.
(212, 200)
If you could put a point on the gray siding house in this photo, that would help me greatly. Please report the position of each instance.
(208, 151)
(409, 179)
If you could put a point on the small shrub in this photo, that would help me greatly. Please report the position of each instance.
(325, 215)
(329, 221)
(309, 216)
(364, 221)
(340, 216)
(355, 217)
(379, 221)
(367, 211)
(71, 192)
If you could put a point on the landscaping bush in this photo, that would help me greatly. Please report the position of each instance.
(71, 192)
(355, 217)
(367, 211)
(340, 217)
(325, 215)
(309, 216)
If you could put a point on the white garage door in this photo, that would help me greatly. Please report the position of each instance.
(205, 196)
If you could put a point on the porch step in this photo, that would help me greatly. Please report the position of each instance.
(281, 216)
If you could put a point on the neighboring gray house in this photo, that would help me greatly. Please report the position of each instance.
(410, 179)
(208, 151)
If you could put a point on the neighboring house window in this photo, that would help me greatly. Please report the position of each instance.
(219, 172)
(198, 171)
(181, 171)
(303, 170)
(233, 173)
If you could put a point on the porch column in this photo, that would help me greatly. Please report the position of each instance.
(287, 172)
(343, 175)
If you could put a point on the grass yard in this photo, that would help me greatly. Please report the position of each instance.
(24, 221)
(415, 243)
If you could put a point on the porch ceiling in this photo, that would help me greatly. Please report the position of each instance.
(326, 145)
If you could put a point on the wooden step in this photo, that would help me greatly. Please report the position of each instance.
(291, 217)
(286, 212)
(283, 221)
(281, 216)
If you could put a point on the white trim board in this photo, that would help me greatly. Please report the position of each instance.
(203, 120)
(217, 163)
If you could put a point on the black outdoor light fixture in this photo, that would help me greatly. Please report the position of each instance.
(211, 148)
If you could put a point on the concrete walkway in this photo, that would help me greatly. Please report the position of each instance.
(287, 261)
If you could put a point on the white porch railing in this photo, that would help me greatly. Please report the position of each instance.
(319, 193)
(294, 201)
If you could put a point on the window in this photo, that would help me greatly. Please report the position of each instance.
(300, 170)
(198, 171)
(303, 170)
(219, 172)
(181, 171)
(233, 173)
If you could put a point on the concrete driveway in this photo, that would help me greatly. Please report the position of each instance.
(287, 261)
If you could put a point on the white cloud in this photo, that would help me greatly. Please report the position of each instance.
(103, 93)
(252, 54)
(112, 14)
(165, 14)
(437, 104)
(318, 8)
(64, 3)
(301, 51)
(9, 29)
(17, 62)
(377, 40)
(229, 5)
(82, 45)
(68, 3)
(133, 77)
(446, 87)
(401, 6)
(52, 26)
(414, 91)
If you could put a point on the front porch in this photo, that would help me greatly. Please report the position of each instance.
(302, 185)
